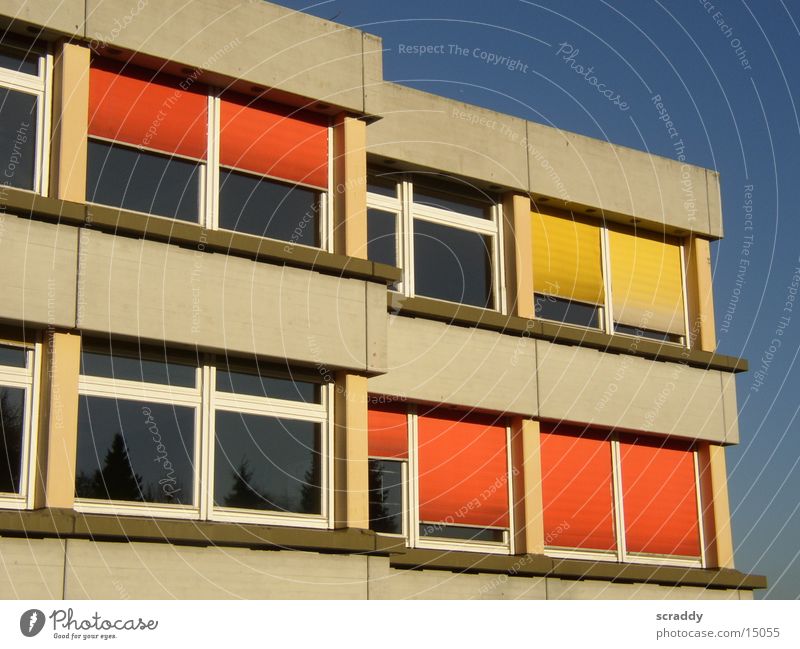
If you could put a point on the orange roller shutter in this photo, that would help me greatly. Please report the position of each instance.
(274, 140)
(388, 431)
(463, 470)
(577, 489)
(659, 498)
(144, 108)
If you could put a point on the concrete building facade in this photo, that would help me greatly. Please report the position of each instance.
(273, 327)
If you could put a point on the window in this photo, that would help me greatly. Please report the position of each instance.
(445, 235)
(567, 270)
(18, 366)
(456, 477)
(611, 278)
(145, 441)
(25, 72)
(138, 433)
(623, 498)
(173, 147)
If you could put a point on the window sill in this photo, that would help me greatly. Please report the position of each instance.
(470, 316)
(113, 220)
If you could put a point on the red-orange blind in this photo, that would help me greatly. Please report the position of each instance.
(659, 498)
(133, 105)
(274, 140)
(577, 489)
(463, 470)
(388, 431)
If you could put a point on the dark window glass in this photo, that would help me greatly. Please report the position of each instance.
(452, 264)
(386, 496)
(143, 181)
(485, 534)
(268, 208)
(130, 368)
(267, 463)
(12, 420)
(135, 451)
(13, 356)
(266, 386)
(382, 236)
(17, 138)
(646, 333)
(568, 311)
(444, 201)
(19, 60)
(382, 186)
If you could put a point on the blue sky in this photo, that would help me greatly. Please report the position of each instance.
(727, 74)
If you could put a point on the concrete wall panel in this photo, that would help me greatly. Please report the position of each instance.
(590, 589)
(38, 264)
(163, 292)
(31, 568)
(65, 16)
(617, 390)
(438, 362)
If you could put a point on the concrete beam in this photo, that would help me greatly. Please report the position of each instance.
(518, 240)
(351, 454)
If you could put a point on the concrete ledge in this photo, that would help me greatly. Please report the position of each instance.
(193, 235)
(62, 523)
(469, 316)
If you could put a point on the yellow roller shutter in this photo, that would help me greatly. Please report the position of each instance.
(646, 283)
(566, 258)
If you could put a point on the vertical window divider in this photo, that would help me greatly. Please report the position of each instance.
(605, 253)
(31, 425)
(512, 521)
(206, 441)
(619, 513)
(327, 204)
(413, 478)
(407, 199)
(699, 501)
(687, 338)
(498, 265)
(211, 211)
(42, 166)
(326, 448)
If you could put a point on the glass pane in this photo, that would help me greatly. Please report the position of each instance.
(456, 204)
(12, 420)
(561, 310)
(13, 356)
(383, 186)
(440, 530)
(135, 451)
(386, 496)
(19, 60)
(266, 386)
(646, 333)
(17, 138)
(268, 208)
(382, 236)
(452, 264)
(129, 368)
(143, 182)
(267, 463)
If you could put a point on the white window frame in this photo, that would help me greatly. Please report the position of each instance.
(25, 379)
(123, 389)
(416, 540)
(318, 413)
(405, 509)
(408, 211)
(39, 86)
(621, 555)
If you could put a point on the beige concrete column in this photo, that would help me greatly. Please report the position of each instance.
(716, 515)
(70, 122)
(350, 186)
(526, 467)
(700, 297)
(518, 237)
(351, 462)
(58, 427)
